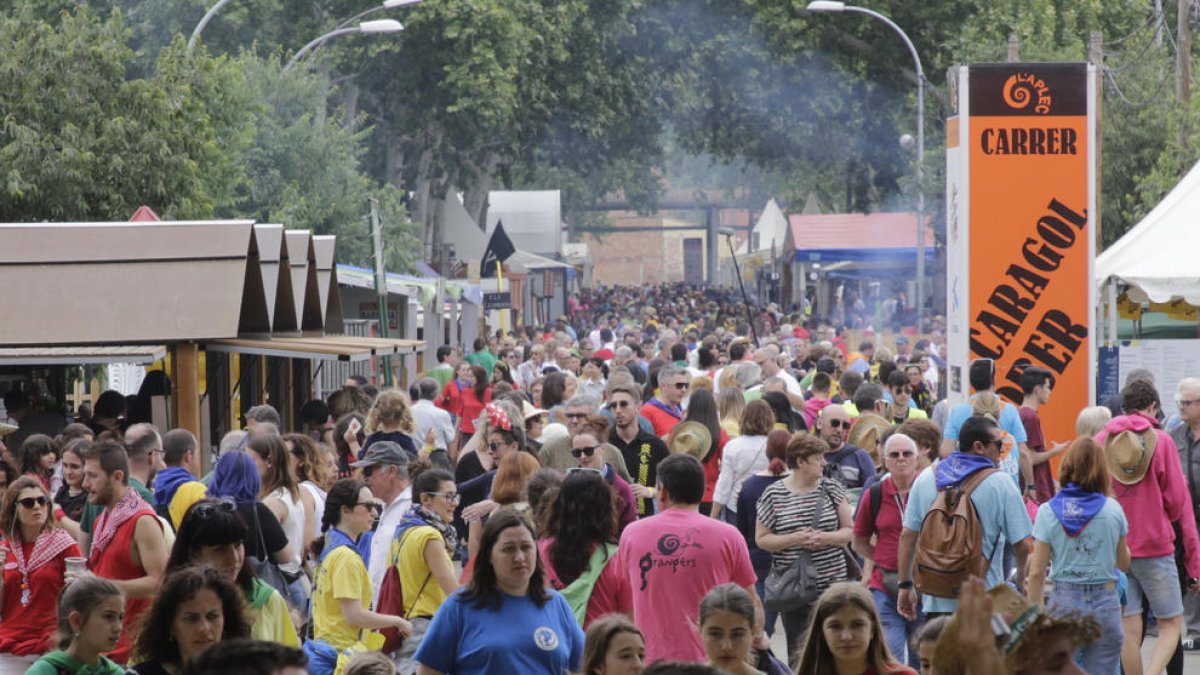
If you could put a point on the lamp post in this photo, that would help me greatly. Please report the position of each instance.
(830, 6)
(387, 4)
(366, 27)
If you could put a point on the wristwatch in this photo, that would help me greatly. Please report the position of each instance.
(904, 585)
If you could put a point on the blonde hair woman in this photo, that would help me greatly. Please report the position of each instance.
(731, 402)
(1092, 420)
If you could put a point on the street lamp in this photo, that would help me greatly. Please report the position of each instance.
(830, 6)
(387, 4)
(366, 27)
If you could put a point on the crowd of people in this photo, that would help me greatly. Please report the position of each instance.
(646, 486)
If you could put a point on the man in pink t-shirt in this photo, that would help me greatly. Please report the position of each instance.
(671, 560)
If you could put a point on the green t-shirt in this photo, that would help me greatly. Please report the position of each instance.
(92, 511)
(485, 360)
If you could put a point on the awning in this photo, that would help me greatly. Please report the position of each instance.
(75, 356)
(329, 347)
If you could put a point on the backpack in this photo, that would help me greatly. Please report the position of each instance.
(950, 543)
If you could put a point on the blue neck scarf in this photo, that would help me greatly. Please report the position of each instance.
(335, 538)
(958, 466)
(1076, 508)
(672, 410)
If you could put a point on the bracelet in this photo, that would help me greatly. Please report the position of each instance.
(904, 585)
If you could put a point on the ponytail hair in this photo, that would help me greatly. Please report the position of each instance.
(82, 595)
(343, 494)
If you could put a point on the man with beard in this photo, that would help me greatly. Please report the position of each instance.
(127, 543)
(846, 463)
(641, 451)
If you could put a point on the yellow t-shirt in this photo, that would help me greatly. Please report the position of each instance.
(414, 571)
(187, 494)
(342, 575)
(273, 623)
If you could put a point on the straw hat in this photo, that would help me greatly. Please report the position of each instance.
(691, 438)
(1020, 630)
(6, 428)
(527, 410)
(1129, 454)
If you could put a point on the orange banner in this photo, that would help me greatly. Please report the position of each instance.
(1030, 233)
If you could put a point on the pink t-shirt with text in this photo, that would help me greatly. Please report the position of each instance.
(670, 561)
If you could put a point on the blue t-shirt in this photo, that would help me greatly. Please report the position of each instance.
(1010, 421)
(519, 637)
(1001, 512)
(1090, 557)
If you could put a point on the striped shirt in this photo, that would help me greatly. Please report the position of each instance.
(784, 512)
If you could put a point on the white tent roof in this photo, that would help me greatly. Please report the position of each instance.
(1158, 256)
(469, 241)
(532, 219)
(772, 227)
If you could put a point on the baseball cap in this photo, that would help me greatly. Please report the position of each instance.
(383, 452)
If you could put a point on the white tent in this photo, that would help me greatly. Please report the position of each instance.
(771, 228)
(1157, 258)
(532, 219)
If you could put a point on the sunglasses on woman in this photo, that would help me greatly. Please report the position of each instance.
(588, 450)
(208, 510)
(30, 502)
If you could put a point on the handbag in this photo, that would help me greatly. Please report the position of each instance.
(794, 586)
(267, 570)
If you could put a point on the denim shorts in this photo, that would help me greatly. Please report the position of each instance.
(1154, 580)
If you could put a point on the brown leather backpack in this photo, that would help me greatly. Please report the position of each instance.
(950, 543)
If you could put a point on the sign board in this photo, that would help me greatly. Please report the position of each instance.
(370, 310)
(1021, 190)
(497, 301)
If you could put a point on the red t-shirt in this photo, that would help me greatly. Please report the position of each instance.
(887, 526)
(1043, 477)
(712, 467)
(662, 421)
(610, 594)
(471, 407)
(26, 629)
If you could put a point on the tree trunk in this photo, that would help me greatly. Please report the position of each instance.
(476, 190)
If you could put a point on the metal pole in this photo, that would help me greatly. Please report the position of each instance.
(204, 22)
(381, 287)
(745, 301)
(920, 299)
(308, 47)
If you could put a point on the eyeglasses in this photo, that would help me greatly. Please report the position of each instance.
(448, 496)
(583, 469)
(206, 510)
(373, 506)
(30, 502)
(1183, 402)
(496, 446)
(576, 416)
(905, 454)
(838, 424)
(997, 442)
(682, 386)
(588, 450)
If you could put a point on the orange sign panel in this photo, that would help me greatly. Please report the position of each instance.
(1030, 239)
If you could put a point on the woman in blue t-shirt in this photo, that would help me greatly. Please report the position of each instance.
(505, 620)
(1081, 532)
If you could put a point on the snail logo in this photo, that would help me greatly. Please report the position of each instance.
(670, 548)
(673, 544)
(1026, 91)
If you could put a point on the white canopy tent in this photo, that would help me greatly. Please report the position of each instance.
(1157, 258)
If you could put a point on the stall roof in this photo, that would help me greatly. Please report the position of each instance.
(1158, 255)
(328, 347)
(857, 236)
(129, 282)
(76, 356)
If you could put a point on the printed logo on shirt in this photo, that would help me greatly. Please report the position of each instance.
(671, 548)
(545, 638)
